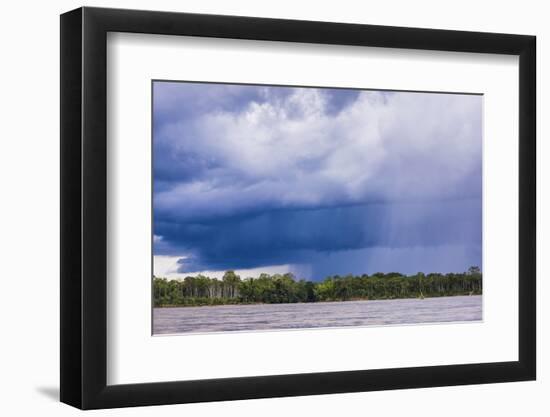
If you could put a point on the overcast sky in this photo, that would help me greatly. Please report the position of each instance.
(314, 181)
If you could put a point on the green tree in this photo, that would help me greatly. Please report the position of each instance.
(231, 281)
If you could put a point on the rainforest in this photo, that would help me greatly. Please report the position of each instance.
(201, 290)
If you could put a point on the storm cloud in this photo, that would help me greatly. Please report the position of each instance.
(254, 176)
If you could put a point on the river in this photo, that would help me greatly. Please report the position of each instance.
(310, 315)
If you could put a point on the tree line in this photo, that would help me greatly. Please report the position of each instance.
(285, 288)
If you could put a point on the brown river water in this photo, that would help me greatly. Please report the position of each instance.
(314, 315)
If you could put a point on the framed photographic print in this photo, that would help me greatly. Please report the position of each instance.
(334, 207)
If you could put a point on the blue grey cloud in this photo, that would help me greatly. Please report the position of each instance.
(251, 176)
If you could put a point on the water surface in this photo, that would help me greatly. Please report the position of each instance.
(310, 315)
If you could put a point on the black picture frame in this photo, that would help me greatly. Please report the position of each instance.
(84, 207)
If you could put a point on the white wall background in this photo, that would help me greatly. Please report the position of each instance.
(29, 226)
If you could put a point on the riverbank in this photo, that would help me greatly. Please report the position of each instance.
(215, 303)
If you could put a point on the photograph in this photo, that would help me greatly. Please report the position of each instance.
(296, 207)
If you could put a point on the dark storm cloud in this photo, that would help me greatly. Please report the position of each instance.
(251, 176)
